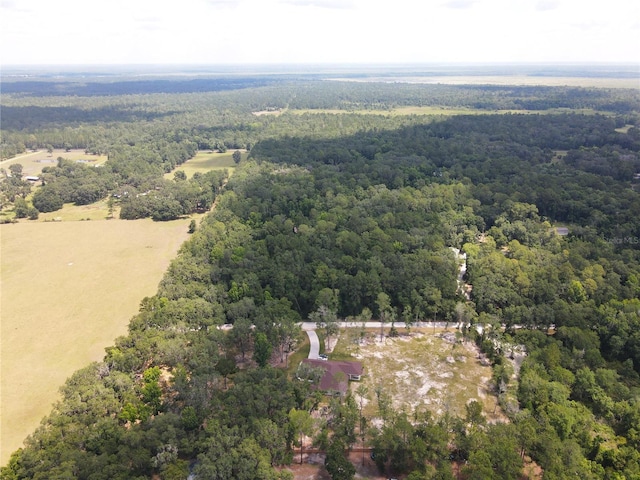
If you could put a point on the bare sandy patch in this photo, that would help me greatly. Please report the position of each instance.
(422, 369)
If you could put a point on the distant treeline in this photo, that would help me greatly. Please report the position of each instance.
(38, 88)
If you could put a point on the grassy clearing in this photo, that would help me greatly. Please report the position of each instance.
(428, 110)
(271, 113)
(558, 155)
(624, 129)
(400, 111)
(34, 162)
(420, 370)
(205, 161)
(68, 290)
(70, 212)
(435, 111)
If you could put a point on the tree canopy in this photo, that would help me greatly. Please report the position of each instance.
(352, 215)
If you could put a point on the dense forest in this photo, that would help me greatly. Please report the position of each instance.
(351, 214)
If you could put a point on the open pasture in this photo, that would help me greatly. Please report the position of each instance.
(71, 212)
(33, 162)
(205, 161)
(68, 290)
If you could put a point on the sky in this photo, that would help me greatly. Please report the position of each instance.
(87, 32)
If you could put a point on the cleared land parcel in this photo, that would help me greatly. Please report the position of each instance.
(68, 290)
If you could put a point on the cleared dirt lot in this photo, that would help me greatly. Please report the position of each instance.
(422, 369)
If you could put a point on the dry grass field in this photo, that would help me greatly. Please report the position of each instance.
(398, 111)
(34, 162)
(441, 111)
(68, 290)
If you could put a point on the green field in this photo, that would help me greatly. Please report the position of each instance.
(70, 212)
(205, 161)
(68, 290)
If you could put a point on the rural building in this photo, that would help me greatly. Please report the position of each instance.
(337, 374)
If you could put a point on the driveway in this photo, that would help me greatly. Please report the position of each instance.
(314, 350)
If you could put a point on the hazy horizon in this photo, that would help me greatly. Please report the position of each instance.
(431, 68)
(318, 32)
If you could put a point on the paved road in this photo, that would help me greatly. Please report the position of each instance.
(310, 328)
(307, 326)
